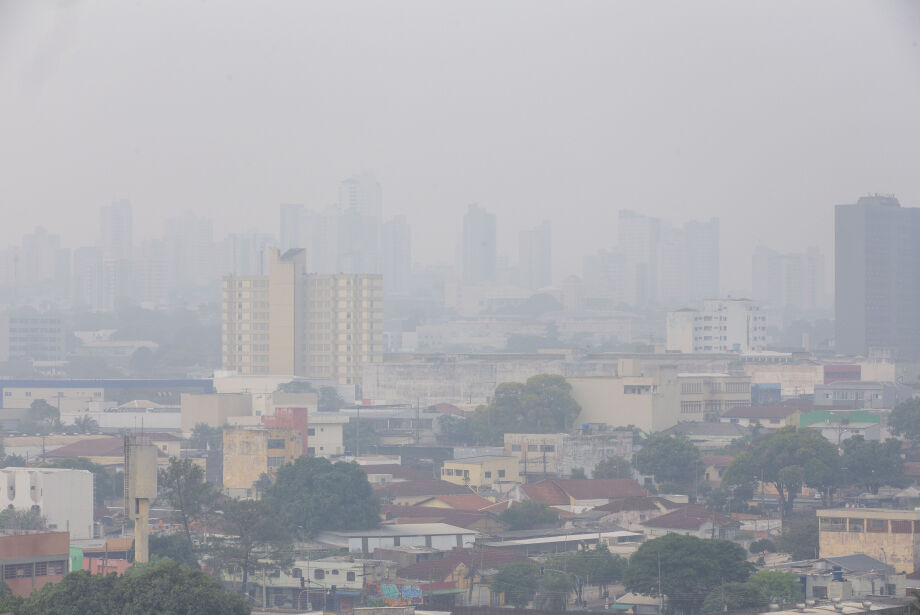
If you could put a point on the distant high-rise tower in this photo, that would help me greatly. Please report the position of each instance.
(877, 270)
(478, 247)
(535, 258)
(117, 243)
(396, 242)
(702, 243)
(639, 237)
(788, 280)
(116, 225)
(358, 222)
(292, 226)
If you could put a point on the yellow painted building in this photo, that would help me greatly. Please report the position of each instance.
(302, 324)
(892, 536)
(250, 453)
(483, 471)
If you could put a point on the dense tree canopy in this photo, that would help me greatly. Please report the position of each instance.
(799, 537)
(518, 582)
(870, 464)
(181, 486)
(528, 515)
(734, 597)
(613, 467)
(312, 494)
(789, 459)
(11, 519)
(597, 567)
(206, 437)
(157, 588)
(690, 568)
(671, 460)
(252, 532)
(905, 419)
(778, 586)
(543, 404)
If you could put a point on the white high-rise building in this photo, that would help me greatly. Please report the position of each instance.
(116, 223)
(723, 325)
(788, 280)
(478, 246)
(535, 259)
(396, 242)
(292, 226)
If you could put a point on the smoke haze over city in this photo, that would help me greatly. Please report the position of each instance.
(763, 115)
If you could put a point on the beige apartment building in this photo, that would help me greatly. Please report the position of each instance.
(892, 536)
(251, 452)
(704, 397)
(289, 322)
(482, 472)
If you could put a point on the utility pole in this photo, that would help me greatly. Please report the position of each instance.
(660, 597)
(358, 436)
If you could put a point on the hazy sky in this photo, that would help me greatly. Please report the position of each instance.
(765, 114)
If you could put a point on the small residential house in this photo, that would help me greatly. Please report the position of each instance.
(631, 512)
(412, 492)
(693, 520)
(444, 580)
(715, 466)
(578, 495)
(768, 417)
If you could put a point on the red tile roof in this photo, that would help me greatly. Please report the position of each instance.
(465, 501)
(719, 461)
(414, 488)
(558, 491)
(912, 468)
(440, 569)
(690, 517)
(431, 514)
(638, 503)
(91, 447)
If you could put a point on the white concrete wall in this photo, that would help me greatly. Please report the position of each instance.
(64, 497)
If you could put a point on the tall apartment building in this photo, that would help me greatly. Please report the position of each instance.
(704, 397)
(535, 258)
(478, 247)
(877, 269)
(788, 280)
(323, 326)
(723, 325)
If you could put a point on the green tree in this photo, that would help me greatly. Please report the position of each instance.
(870, 465)
(206, 437)
(690, 568)
(107, 484)
(181, 485)
(11, 519)
(544, 404)
(671, 460)
(764, 544)
(517, 581)
(43, 418)
(528, 514)
(553, 589)
(13, 461)
(779, 587)
(173, 546)
(253, 533)
(613, 467)
(734, 597)
(799, 537)
(456, 430)
(578, 473)
(312, 494)
(85, 424)
(359, 429)
(595, 566)
(329, 400)
(905, 419)
(296, 386)
(160, 587)
(789, 459)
